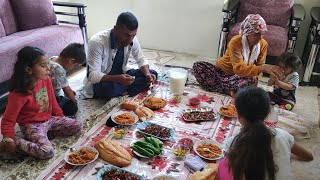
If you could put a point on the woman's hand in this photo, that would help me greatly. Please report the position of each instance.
(271, 69)
(8, 147)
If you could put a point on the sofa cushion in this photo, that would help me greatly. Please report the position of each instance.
(277, 38)
(7, 17)
(274, 12)
(33, 14)
(52, 39)
(2, 32)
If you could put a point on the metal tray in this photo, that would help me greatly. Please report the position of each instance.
(199, 110)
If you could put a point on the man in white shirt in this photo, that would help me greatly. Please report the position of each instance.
(107, 58)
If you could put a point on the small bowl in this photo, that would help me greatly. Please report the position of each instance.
(180, 152)
(119, 132)
(194, 101)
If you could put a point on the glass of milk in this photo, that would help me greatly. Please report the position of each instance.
(177, 79)
(272, 119)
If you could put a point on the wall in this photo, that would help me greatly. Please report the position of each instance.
(187, 26)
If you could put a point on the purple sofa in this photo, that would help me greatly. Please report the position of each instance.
(34, 23)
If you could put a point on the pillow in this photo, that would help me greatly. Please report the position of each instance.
(33, 14)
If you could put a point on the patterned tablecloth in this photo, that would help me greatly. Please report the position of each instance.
(170, 116)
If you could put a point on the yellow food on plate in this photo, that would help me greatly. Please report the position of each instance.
(229, 110)
(215, 151)
(155, 103)
(125, 118)
(82, 156)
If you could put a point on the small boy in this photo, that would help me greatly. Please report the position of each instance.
(71, 56)
(285, 87)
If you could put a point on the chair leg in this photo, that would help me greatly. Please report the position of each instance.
(291, 45)
(310, 64)
(222, 43)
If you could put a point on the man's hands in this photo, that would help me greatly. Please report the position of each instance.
(8, 147)
(151, 77)
(124, 79)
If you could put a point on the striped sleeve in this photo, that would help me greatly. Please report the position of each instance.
(294, 79)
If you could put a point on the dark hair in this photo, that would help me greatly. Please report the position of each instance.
(27, 57)
(75, 51)
(290, 60)
(127, 19)
(250, 153)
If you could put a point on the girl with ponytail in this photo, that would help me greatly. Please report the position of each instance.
(258, 152)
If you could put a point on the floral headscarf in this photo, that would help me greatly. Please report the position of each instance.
(253, 23)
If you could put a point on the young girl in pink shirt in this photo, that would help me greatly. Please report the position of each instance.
(32, 104)
(258, 152)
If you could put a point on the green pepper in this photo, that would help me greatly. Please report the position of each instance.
(145, 137)
(154, 142)
(142, 151)
(141, 144)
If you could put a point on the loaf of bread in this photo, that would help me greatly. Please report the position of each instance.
(140, 114)
(209, 172)
(148, 112)
(113, 152)
(130, 105)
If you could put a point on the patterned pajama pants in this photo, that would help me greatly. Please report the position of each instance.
(36, 142)
(212, 78)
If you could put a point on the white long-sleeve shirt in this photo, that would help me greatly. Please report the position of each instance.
(101, 52)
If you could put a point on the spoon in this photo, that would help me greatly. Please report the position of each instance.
(206, 149)
(73, 149)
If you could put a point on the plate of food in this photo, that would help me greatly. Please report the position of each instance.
(124, 118)
(147, 148)
(112, 172)
(199, 114)
(83, 156)
(228, 111)
(156, 130)
(208, 149)
(155, 103)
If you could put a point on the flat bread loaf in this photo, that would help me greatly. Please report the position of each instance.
(130, 105)
(209, 173)
(113, 152)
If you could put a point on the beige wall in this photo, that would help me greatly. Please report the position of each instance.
(189, 26)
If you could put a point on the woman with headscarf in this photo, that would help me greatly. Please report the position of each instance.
(242, 63)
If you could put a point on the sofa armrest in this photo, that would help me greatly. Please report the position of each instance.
(230, 6)
(298, 12)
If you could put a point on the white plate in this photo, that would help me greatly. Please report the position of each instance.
(164, 177)
(78, 149)
(225, 115)
(142, 139)
(207, 141)
(136, 118)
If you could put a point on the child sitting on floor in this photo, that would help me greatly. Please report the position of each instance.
(258, 152)
(285, 87)
(32, 104)
(71, 56)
